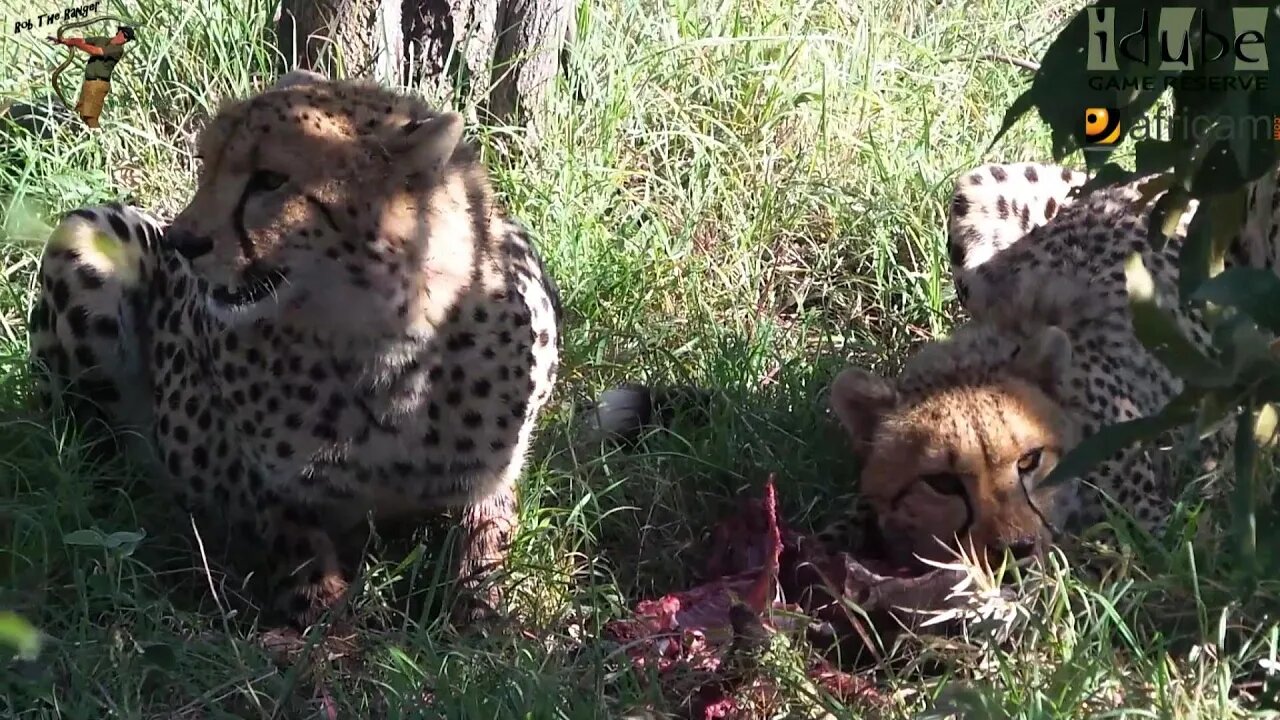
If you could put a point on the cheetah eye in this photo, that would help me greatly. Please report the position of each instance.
(266, 180)
(944, 483)
(1030, 460)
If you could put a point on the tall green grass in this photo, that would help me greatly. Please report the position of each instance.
(746, 196)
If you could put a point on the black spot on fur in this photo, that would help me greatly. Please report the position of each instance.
(89, 278)
(61, 295)
(120, 227)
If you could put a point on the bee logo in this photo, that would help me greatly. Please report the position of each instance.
(1101, 126)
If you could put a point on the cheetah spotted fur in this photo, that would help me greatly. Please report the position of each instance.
(340, 322)
(954, 447)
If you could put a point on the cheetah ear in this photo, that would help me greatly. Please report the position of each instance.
(431, 142)
(860, 399)
(1045, 357)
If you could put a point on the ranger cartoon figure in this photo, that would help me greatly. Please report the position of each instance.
(104, 53)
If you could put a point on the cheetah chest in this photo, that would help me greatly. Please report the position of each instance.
(396, 424)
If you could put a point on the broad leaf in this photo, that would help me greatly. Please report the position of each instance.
(87, 536)
(1112, 439)
(1151, 156)
(1254, 291)
(1244, 517)
(1239, 150)
(1166, 216)
(1159, 332)
(1216, 408)
(1106, 176)
(1064, 87)
(1243, 347)
(1214, 227)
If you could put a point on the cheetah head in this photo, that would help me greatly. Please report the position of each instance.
(955, 450)
(327, 203)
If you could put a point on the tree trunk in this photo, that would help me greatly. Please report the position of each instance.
(494, 58)
(451, 45)
(527, 57)
(342, 38)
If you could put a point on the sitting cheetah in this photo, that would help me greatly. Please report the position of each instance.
(955, 446)
(341, 322)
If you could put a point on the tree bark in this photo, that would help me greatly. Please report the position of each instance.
(494, 58)
(452, 43)
(342, 38)
(527, 57)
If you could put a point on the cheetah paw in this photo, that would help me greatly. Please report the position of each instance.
(307, 603)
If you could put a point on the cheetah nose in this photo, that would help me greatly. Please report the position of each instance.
(189, 245)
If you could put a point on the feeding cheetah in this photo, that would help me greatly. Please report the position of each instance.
(340, 322)
(956, 445)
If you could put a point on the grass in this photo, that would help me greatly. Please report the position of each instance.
(748, 196)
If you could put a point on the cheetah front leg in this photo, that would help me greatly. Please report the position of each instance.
(487, 528)
(304, 568)
(87, 335)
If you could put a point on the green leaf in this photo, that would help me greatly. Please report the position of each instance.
(1244, 516)
(1267, 389)
(88, 536)
(1235, 142)
(1095, 159)
(1166, 216)
(1112, 439)
(1159, 332)
(1244, 348)
(1216, 408)
(20, 635)
(1064, 87)
(1253, 291)
(1107, 175)
(117, 539)
(1152, 156)
(1209, 235)
(123, 543)
(804, 98)
(160, 655)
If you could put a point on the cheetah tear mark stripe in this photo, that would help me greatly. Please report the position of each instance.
(325, 212)
(242, 233)
(1053, 529)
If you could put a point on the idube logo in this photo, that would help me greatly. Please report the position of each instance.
(1163, 41)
